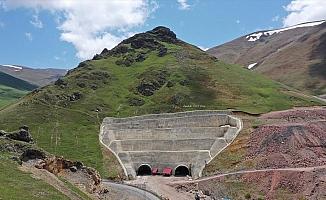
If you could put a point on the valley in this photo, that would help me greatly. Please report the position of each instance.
(151, 116)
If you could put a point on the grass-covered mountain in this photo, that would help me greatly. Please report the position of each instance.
(16, 81)
(295, 56)
(12, 88)
(150, 72)
(39, 77)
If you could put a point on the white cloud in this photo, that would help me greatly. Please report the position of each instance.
(91, 26)
(304, 10)
(238, 21)
(276, 18)
(36, 22)
(29, 36)
(183, 4)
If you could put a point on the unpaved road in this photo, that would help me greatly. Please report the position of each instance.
(162, 186)
(251, 171)
(127, 192)
(166, 186)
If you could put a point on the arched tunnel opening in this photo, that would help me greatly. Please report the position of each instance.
(181, 171)
(144, 170)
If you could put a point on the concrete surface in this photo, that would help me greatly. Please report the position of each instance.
(190, 139)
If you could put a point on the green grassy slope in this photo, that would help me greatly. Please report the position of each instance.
(10, 81)
(16, 184)
(9, 95)
(149, 73)
(12, 88)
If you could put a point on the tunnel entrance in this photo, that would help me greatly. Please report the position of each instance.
(181, 171)
(144, 170)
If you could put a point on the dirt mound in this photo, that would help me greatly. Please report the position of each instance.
(292, 184)
(75, 172)
(294, 144)
(297, 115)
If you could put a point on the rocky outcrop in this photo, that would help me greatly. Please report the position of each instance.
(150, 40)
(21, 135)
(152, 81)
(136, 101)
(74, 171)
(31, 154)
(164, 34)
(57, 164)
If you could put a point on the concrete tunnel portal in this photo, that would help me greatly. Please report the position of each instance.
(144, 170)
(182, 170)
(184, 141)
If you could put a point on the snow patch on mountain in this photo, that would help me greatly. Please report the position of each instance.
(16, 68)
(13, 66)
(256, 36)
(251, 65)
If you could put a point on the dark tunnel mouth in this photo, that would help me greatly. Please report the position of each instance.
(144, 170)
(181, 171)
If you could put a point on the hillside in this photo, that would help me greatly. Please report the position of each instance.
(294, 56)
(151, 72)
(12, 88)
(292, 142)
(39, 77)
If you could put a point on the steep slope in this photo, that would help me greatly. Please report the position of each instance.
(12, 88)
(290, 141)
(39, 77)
(151, 72)
(294, 56)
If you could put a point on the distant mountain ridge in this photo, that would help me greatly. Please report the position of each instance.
(295, 56)
(11, 81)
(16, 81)
(39, 77)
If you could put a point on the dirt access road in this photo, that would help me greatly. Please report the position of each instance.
(166, 187)
(127, 192)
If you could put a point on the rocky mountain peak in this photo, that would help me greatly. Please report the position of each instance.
(148, 40)
(164, 34)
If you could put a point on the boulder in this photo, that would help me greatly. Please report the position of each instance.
(140, 57)
(31, 154)
(136, 102)
(75, 96)
(146, 89)
(21, 135)
(78, 164)
(162, 51)
(73, 168)
(2, 133)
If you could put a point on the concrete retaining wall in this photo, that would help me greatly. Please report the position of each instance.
(169, 140)
(163, 133)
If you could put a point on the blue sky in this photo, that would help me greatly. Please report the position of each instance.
(61, 33)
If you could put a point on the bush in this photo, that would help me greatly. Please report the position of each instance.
(248, 196)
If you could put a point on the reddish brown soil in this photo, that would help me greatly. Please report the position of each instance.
(267, 185)
(295, 138)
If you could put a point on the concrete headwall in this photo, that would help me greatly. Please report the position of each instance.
(191, 139)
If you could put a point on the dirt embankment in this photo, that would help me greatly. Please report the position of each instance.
(64, 175)
(294, 138)
(269, 185)
(285, 139)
